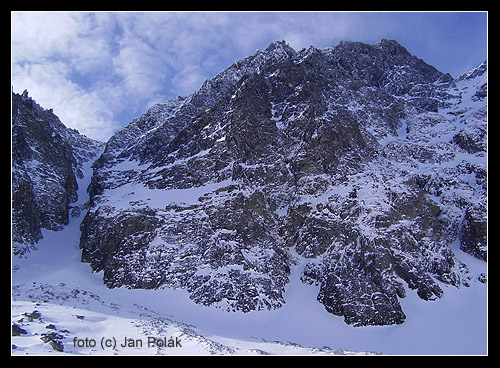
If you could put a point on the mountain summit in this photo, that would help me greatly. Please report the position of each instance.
(361, 163)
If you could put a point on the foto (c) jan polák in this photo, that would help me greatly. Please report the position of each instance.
(151, 341)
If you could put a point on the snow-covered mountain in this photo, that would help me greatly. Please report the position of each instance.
(361, 158)
(47, 159)
(356, 174)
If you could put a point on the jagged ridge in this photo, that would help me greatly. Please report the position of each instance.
(361, 158)
(329, 153)
(46, 160)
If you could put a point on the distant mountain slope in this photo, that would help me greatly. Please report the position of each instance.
(46, 160)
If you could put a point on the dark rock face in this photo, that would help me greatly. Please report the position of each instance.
(46, 160)
(474, 232)
(345, 156)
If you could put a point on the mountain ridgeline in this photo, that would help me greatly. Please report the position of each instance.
(362, 160)
(47, 159)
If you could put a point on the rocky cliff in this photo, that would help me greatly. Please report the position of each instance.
(46, 161)
(362, 159)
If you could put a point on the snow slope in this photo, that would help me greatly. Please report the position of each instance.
(88, 318)
(92, 319)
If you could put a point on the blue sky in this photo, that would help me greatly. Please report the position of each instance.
(100, 70)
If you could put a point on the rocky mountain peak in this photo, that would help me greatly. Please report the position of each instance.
(360, 164)
(281, 48)
(339, 155)
(392, 47)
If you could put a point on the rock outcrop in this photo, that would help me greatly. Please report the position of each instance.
(46, 161)
(363, 159)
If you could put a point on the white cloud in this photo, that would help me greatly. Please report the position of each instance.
(188, 80)
(61, 58)
(49, 86)
(35, 36)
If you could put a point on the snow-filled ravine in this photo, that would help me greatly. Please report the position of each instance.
(58, 303)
